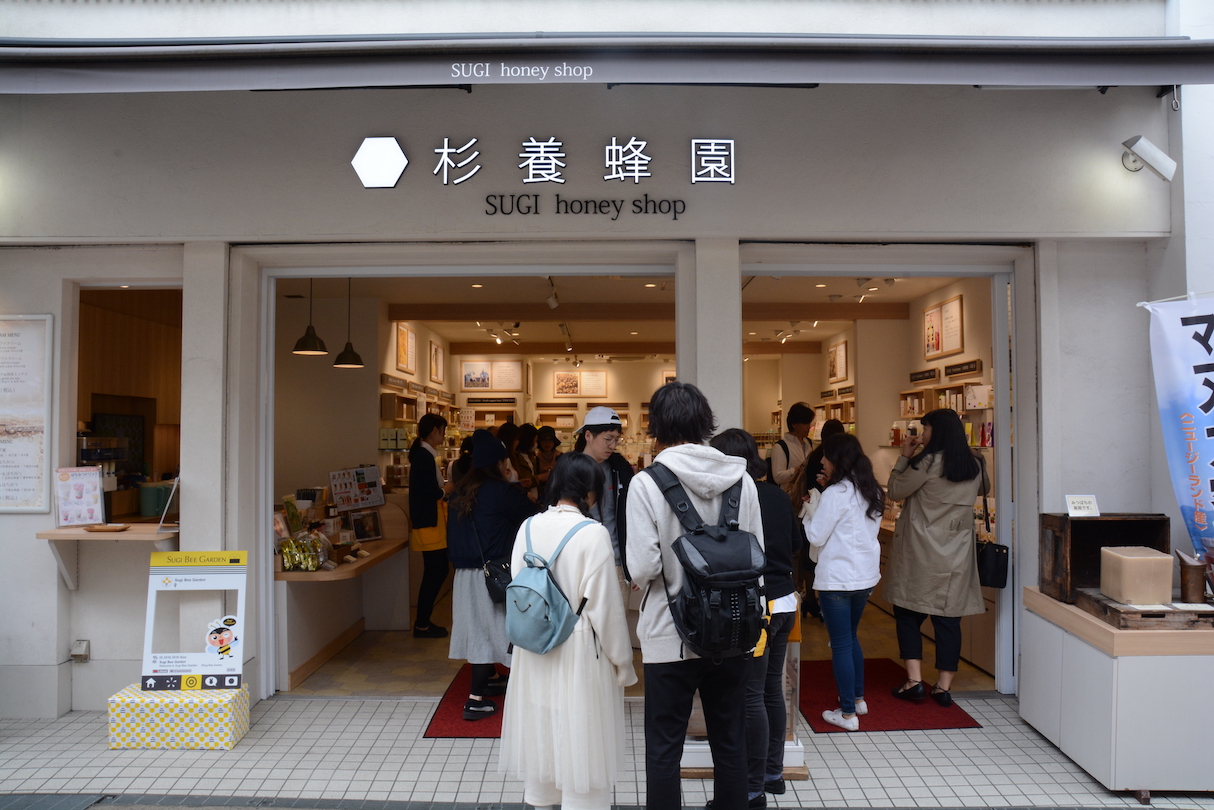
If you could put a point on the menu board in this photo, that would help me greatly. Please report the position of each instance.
(25, 402)
(356, 488)
(78, 496)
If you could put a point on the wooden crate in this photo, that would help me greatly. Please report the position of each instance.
(1127, 617)
(1069, 552)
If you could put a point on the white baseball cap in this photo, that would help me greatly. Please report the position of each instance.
(601, 415)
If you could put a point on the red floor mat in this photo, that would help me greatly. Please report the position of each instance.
(448, 720)
(885, 712)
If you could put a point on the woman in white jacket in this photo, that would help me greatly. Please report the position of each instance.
(563, 727)
(843, 532)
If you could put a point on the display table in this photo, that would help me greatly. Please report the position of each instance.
(64, 544)
(205, 718)
(1130, 707)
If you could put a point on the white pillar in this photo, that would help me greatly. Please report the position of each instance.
(708, 315)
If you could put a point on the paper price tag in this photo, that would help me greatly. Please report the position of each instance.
(1082, 506)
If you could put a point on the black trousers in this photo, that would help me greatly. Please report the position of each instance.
(668, 692)
(434, 574)
(910, 640)
(766, 717)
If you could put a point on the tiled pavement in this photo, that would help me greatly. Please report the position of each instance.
(367, 754)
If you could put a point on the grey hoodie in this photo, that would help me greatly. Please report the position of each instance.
(705, 473)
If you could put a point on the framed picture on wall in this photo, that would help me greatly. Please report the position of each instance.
(668, 376)
(943, 332)
(566, 383)
(836, 362)
(530, 376)
(406, 349)
(366, 525)
(594, 383)
(437, 363)
(475, 375)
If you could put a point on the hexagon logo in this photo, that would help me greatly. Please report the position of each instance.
(379, 162)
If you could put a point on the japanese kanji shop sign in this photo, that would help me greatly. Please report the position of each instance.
(211, 658)
(1182, 355)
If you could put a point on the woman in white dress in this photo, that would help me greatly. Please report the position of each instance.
(563, 727)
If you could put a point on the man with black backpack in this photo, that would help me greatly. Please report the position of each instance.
(699, 565)
(788, 453)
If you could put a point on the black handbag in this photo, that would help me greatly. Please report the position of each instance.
(992, 557)
(497, 572)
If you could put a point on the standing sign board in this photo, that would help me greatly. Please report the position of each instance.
(78, 496)
(356, 488)
(213, 659)
(25, 412)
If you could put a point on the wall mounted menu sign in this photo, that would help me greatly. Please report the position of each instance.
(431, 392)
(972, 367)
(925, 375)
(416, 387)
(443, 396)
(25, 412)
(851, 389)
(492, 400)
(388, 381)
(827, 394)
(78, 496)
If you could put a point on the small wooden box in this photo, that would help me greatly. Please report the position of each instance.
(1069, 551)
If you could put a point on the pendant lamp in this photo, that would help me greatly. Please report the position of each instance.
(310, 343)
(348, 357)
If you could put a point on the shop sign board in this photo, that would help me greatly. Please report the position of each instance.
(25, 412)
(971, 367)
(848, 391)
(214, 659)
(389, 381)
(926, 375)
(829, 393)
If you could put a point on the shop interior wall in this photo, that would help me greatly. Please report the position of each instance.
(42, 615)
(881, 349)
(128, 356)
(799, 374)
(1008, 165)
(421, 373)
(822, 382)
(761, 379)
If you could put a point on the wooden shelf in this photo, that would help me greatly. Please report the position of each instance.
(380, 551)
(63, 543)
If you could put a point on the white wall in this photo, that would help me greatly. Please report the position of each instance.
(760, 393)
(1126, 18)
(881, 349)
(897, 162)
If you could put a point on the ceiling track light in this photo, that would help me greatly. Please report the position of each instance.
(553, 303)
(889, 282)
(860, 282)
(310, 343)
(834, 298)
(1141, 152)
(815, 324)
(348, 357)
(515, 341)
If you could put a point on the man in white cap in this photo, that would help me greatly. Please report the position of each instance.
(597, 438)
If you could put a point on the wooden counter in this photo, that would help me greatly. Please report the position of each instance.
(380, 550)
(64, 544)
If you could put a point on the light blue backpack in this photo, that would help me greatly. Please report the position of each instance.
(538, 614)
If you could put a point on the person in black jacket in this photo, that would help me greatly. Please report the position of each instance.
(597, 438)
(487, 507)
(428, 515)
(783, 536)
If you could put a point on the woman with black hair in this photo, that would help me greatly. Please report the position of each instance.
(563, 729)
(508, 434)
(463, 465)
(428, 514)
(783, 535)
(933, 569)
(813, 467)
(486, 507)
(844, 531)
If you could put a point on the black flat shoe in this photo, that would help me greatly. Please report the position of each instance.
(942, 696)
(757, 803)
(775, 787)
(433, 631)
(915, 694)
(479, 709)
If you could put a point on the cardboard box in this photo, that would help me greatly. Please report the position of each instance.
(1136, 575)
(207, 718)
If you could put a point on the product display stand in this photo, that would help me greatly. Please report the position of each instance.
(204, 718)
(1128, 706)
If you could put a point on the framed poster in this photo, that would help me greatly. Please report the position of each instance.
(475, 375)
(594, 383)
(668, 376)
(566, 383)
(25, 412)
(406, 349)
(79, 496)
(507, 375)
(943, 332)
(366, 525)
(437, 363)
(836, 362)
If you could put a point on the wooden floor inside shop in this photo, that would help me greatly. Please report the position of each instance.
(394, 664)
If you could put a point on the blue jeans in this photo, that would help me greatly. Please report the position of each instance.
(841, 612)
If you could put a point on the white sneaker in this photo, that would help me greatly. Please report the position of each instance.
(835, 718)
(861, 706)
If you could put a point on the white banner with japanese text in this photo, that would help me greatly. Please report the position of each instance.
(1182, 355)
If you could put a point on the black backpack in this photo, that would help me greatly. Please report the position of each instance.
(719, 612)
(771, 478)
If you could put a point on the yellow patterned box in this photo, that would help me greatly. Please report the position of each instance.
(204, 718)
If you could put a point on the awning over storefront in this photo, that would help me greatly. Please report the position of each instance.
(108, 66)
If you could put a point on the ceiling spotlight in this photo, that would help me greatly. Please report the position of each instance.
(889, 282)
(478, 323)
(568, 345)
(577, 361)
(124, 286)
(746, 358)
(498, 339)
(815, 324)
(751, 333)
(564, 329)
(860, 282)
(819, 285)
(779, 332)
(516, 325)
(1141, 152)
(873, 289)
(634, 333)
(651, 285)
(784, 339)
(860, 299)
(477, 286)
(515, 342)
(834, 298)
(553, 303)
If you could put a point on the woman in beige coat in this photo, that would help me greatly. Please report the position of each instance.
(933, 569)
